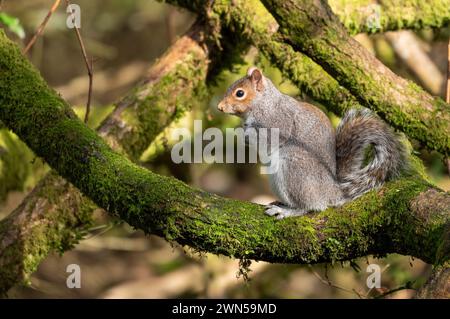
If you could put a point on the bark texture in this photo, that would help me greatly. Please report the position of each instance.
(311, 27)
(407, 216)
(55, 215)
(438, 285)
(342, 75)
(373, 16)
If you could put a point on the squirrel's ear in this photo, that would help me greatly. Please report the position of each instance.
(256, 77)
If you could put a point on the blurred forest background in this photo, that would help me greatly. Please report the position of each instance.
(119, 262)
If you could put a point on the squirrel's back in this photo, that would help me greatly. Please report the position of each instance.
(368, 153)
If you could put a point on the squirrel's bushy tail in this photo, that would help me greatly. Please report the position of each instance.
(368, 153)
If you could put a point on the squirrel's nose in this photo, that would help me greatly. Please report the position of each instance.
(220, 106)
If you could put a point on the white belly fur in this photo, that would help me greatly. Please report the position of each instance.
(276, 181)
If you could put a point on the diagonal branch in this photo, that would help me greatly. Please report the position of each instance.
(407, 216)
(55, 214)
(309, 76)
(372, 16)
(296, 65)
(311, 27)
(401, 103)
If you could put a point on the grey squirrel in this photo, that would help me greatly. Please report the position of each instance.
(318, 167)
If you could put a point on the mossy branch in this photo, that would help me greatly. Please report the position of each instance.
(15, 164)
(373, 16)
(311, 27)
(370, 16)
(401, 103)
(299, 68)
(55, 215)
(407, 216)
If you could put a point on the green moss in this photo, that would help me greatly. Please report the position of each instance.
(410, 115)
(402, 104)
(380, 222)
(63, 235)
(15, 164)
(154, 105)
(371, 16)
(58, 232)
(149, 113)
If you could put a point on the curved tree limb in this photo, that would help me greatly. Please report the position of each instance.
(129, 128)
(54, 216)
(361, 16)
(356, 16)
(305, 73)
(372, 16)
(401, 103)
(296, 53)
(407, 216)
(311, 27)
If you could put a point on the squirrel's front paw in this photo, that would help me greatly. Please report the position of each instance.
(282, 212)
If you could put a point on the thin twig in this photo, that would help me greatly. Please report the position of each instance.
(382, 271)
(104, 229)
(91, 79)
(89, 67)
(328, 282)
(41, 26)
(408, 286)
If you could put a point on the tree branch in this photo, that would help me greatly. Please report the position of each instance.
(413, 111)
(15, 163)
(311, 27)
(295, 68)
(407, 216)
(372, 16)
(438, 285)
(54, 216)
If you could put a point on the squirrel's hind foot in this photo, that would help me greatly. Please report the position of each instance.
(281, 211)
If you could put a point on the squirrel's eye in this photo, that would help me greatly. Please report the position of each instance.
(240, 93)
